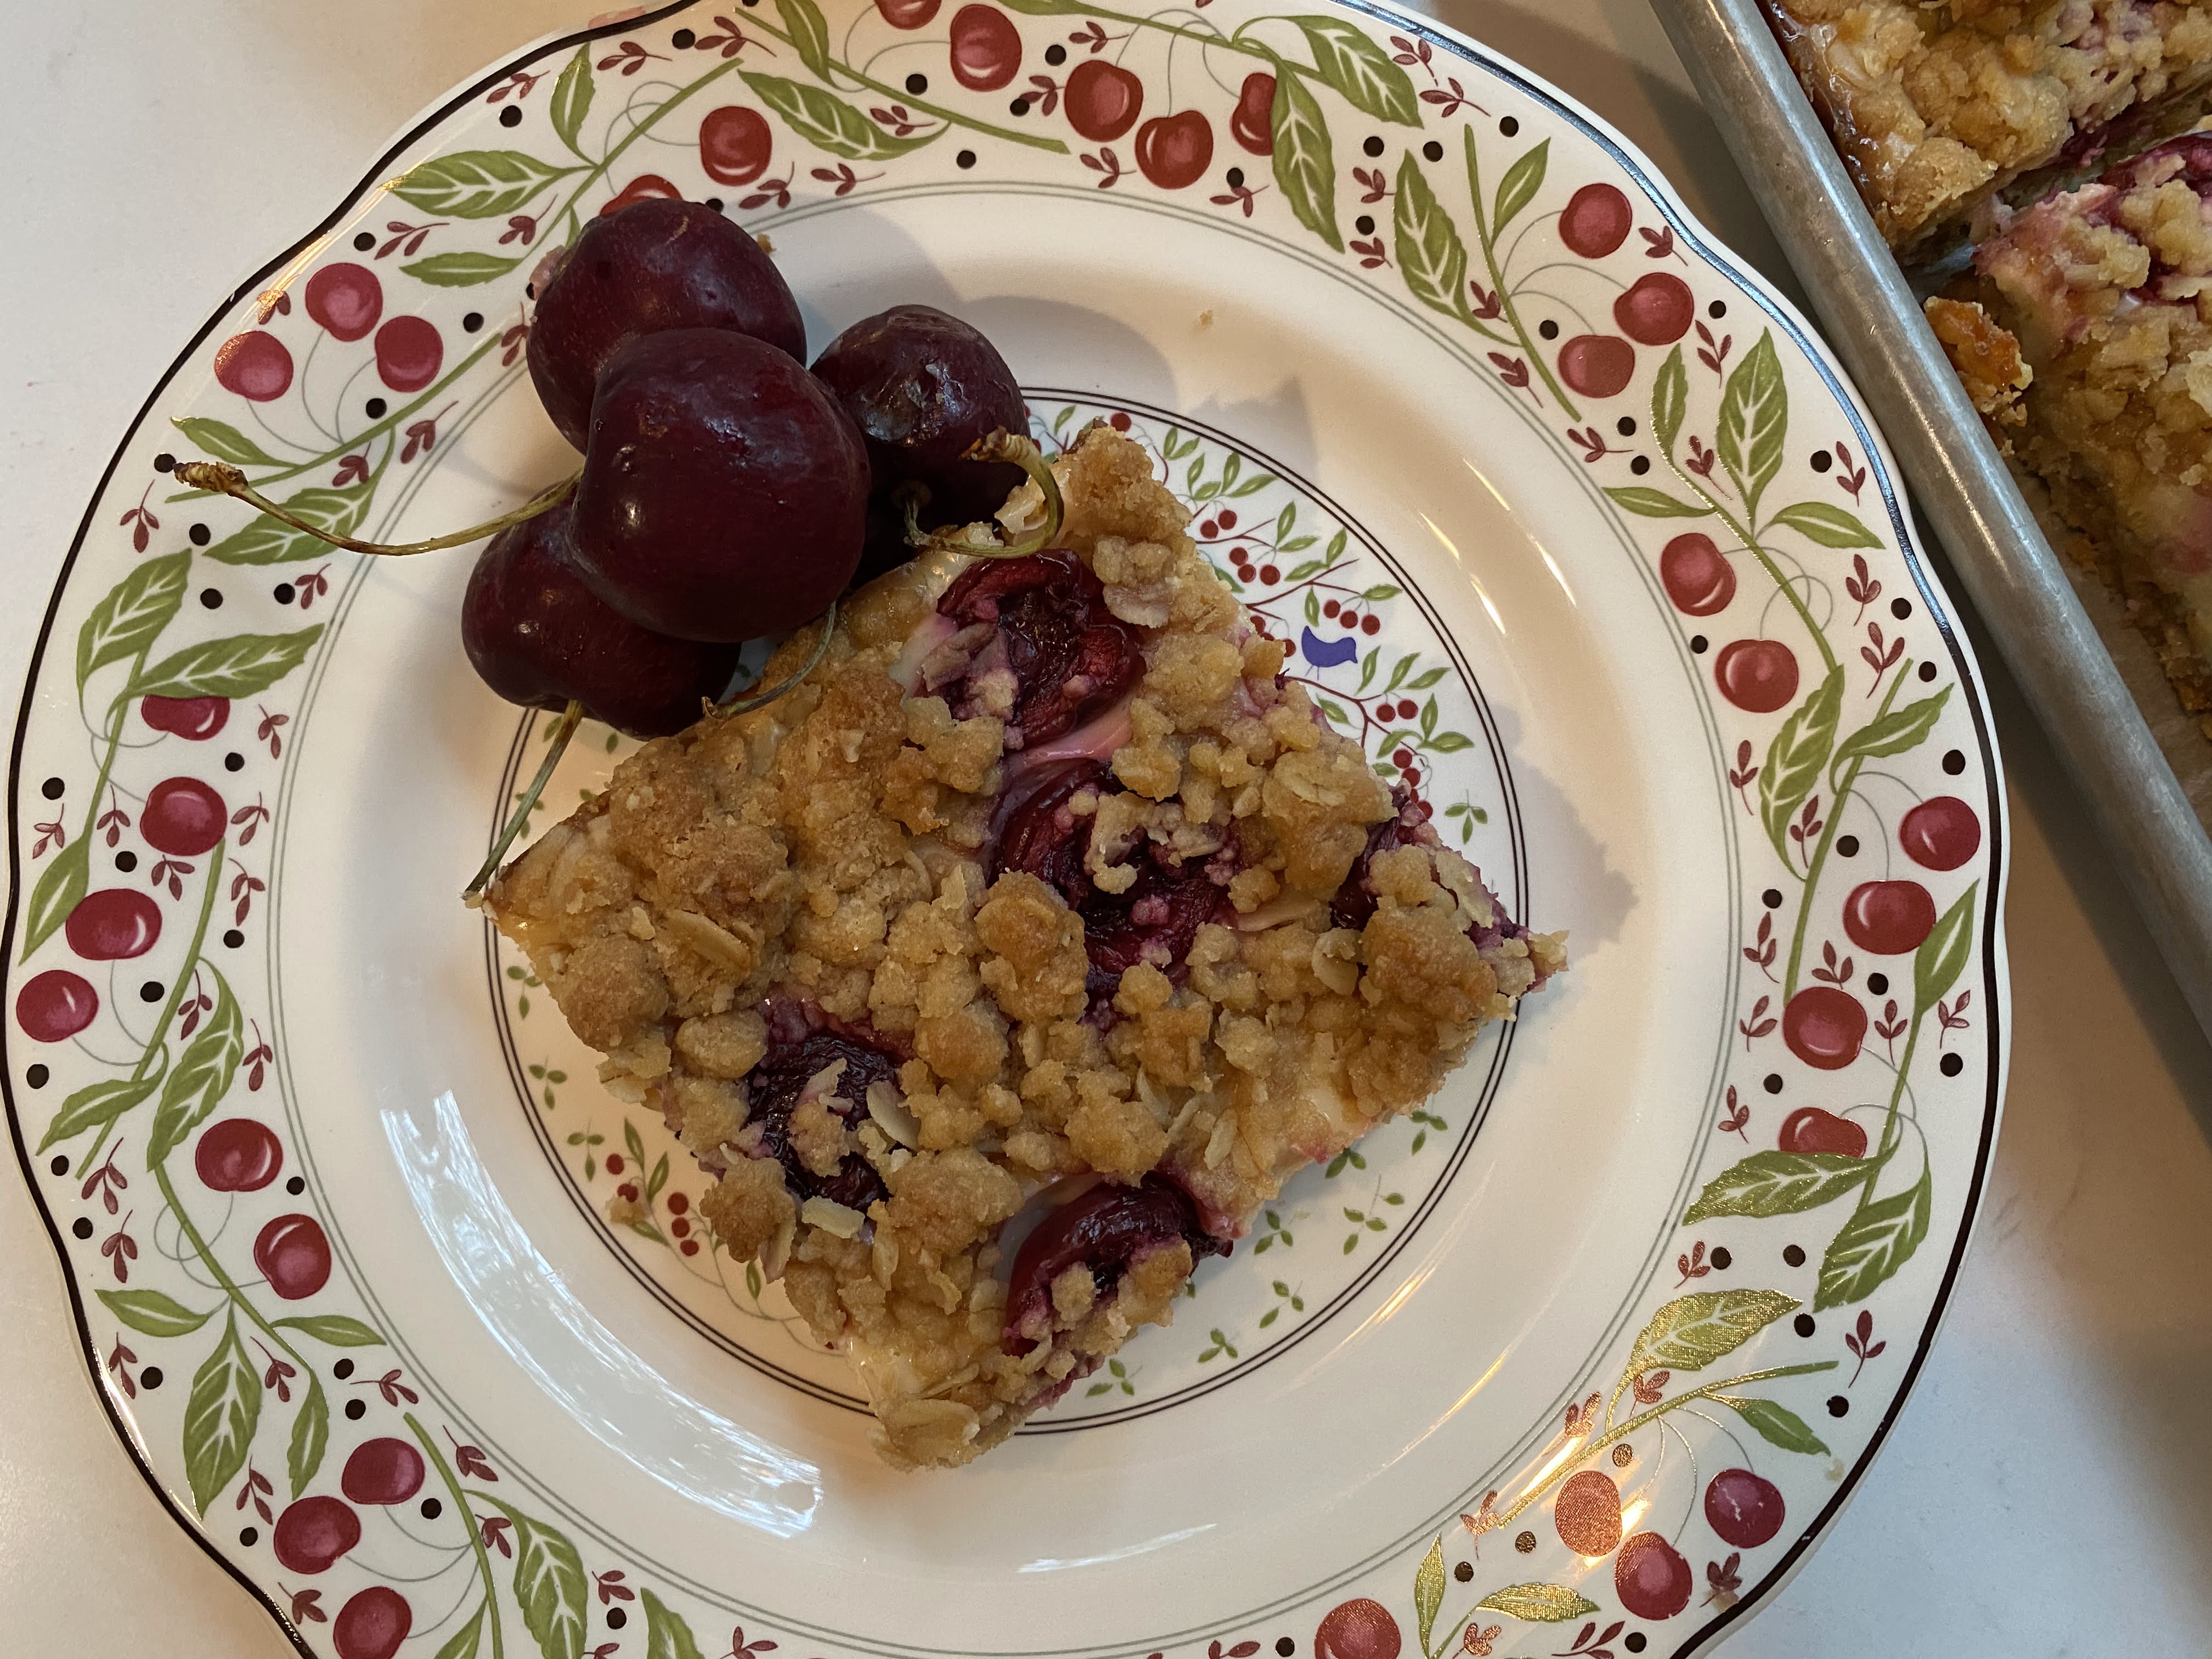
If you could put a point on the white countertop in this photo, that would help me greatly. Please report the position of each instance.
(2043, 1494)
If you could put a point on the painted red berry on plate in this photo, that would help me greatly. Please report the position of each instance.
(907, 13)
(1175, 151)
(1824, 1026)
(986, 48)
(1253, 125)
(1357, 1630)
(1758, 676)
(1809, 1130)
(255, 366)
(193, 719)
(1587, 1513)
(1102, 100)
(1942, 833)
(113, 925)
(409, 354)
(382, 1471)
(1651, 1578)
(237, 1154)
(346, 299)
(1696, 577)
(372, 1623)
(1597, 365)
(1745, 1509)
(183, 818)
(645, 188)
(1657, 310)
(1596, 221)
(294, 1255)
(313, 1533)
(1889, 918)
(55, 1006)
(734, 143)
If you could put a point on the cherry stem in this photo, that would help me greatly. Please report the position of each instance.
(1022, 451)
(752, 700)
(563, 729)
(221, 478)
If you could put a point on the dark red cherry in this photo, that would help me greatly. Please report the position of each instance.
(1596, 221)
(724, 491)
(799, 1051)
(113, 925)
(1174, 151)
(313, 1533)
(1657, 310)
(183, 818)
(1071, 657)
(1587, 1513)
(539, 636)
(55, 1006)
(923, 387)
(255, 366)
(1824, 1026)
(655, 265)
(1942, 833)
(1889, 918)
(237, 1154)
(1102, 100)
(1745, 1509)
(346, 299)
(645, 188)
(1651, 1578)
(372, 1623)
(294, 1255)
(194, 719)
(1253, 125)
(1597, 365)
(907, 13)
(1809, 1130)
(1697, 577)
(1357, 1630)
(734, 145)
(409, 354)
(1759, 675)
(986, 48)
(1105, 1229)
(382, 1471)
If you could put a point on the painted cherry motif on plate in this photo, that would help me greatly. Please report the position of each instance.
(1437, 186)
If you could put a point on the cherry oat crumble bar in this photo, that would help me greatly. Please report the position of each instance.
(1045, 891)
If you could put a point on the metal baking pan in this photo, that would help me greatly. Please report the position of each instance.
(2007, 569)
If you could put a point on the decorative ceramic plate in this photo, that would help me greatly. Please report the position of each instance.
(1577, 531)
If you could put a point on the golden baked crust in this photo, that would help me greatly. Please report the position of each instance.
(825, 871)
(2107, 292)
(1939, 109)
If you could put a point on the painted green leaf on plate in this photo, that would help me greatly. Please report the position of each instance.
(235, 667)
(1305, 163)
(1350, 61)
(1778, 1183)
(221, 1415)
(131, 615)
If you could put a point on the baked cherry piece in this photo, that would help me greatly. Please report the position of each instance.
(1042, 620)
(538, 637)
(802, 1044)
(1105, 1229)
(237, 1155)
(183, 818)
(382, 1471)
(724, 492)
(924, 388)
(1745, 1509)
(313, 1533)
(193, 719)
(654, 266)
